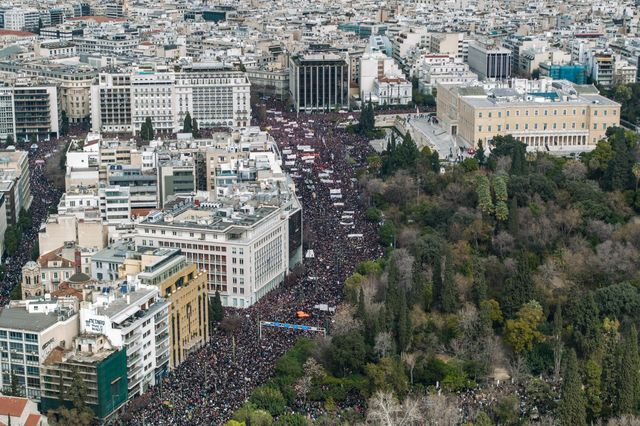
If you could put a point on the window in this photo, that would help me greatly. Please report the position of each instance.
(489, 114)
(14, 335)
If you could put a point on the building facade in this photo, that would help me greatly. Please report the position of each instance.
(490, 63)
(547, 116)
(319, 82)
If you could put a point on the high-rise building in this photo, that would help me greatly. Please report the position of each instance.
(215, 96)
(319, 82)
(490, 63)
(36, 112)
(184, 287)
(29, 331)
(133, 317)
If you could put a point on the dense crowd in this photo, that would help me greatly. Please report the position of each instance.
(213, 382)
(44, 195)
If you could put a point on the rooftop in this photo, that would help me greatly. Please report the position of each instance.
(18, 318)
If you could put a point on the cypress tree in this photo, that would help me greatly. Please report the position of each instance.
(587, 332)
(437, 279)
(450, 299)
(610, 375)
(572, 407)
(216, 313)
(628, 375)
(403, 329)
(195, 131)
(513, 223)
(187, 126)
(361, 311)
(479, 282)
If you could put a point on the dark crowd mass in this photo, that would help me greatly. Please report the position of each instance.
(44, 195)
(212, 383)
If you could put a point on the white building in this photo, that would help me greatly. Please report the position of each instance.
(442, 69)
(382, 81)
(248, 235)
(20, 18)
(134, 317)
(29, 331)
(214, 95)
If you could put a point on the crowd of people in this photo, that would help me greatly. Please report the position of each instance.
(44, 195)
(215, 381)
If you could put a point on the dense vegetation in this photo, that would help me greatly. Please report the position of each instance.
(511, 266)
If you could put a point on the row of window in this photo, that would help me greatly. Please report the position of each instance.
(507, 127)
(546, 112)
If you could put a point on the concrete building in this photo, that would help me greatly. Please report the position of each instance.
(89, 233)
(106, 264)
(382, 81)
(575, 73)
(36, 112)
(248, 235)
(21, 19)
(490, 63)
(134, 318)
(214, 95)
(435, 69)
(175, 176)
(547, 115)
(29, 331)
(15, 183)
(102, 367)
(184, 287)
(269, 80)
(319, 82)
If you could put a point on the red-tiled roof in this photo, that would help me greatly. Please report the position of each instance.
(10, 405)
(4, 32)
(33, 420)
(54, 255)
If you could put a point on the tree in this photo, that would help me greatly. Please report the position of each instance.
(587, 331)
(77, 392)
(195, 131)
(9, 140)
(593, 388)
(557, 341)
(293, 419)
(15, 386)
(629, 372)
(146, 130)
(522, 333)
(216, 311)
(384, 409)
(347, 352)
(410, 361)
(449, 297)
(269, 399)
(187, 125)
(572, 407)
(11, 239)
(64, 124)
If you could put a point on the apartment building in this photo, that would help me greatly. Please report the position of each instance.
(547, 115)
(269, 81)
(132, 317)
(7, 116)
(36, 111)
(184, 287)
(21, 19)
(108, 44)
(319, 82)
(102, 367)
(175, 176)
(142, 186)
(29, 331)
(15, 183)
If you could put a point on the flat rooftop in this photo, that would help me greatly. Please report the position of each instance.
(18, 318)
